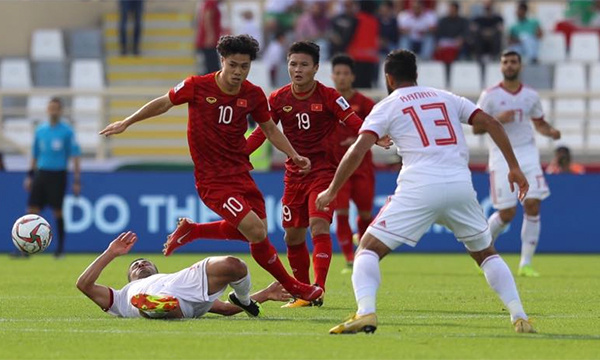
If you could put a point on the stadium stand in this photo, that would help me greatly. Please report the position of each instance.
(82, 63)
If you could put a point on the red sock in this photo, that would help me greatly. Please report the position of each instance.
(266, 256)
(362, 225)
(321, 258)
(219, 230)
(344, 237)
(299, 261)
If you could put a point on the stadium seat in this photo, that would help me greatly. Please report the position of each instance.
(465, 78)
(324, 73)
(431, 73)
(87, 110)
(85, 43)
(47, 45)
(37, 106)
(585, 47)
(474, 142)
(87, 74)
(19, 131)
(259, 76)
(595, 77)
(549, 14)
(569, 77)
(15, 74)
(492, 74)
(553, 48)
(50, 74)
(538, 76)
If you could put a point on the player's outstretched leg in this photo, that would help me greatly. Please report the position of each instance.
(240, 296)
(530, 236)
(344, 238)
(188, 231)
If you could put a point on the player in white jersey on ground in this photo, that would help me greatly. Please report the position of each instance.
(434, 186)
(517, 106)
(189, 293)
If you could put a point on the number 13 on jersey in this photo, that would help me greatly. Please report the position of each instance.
(445, 122)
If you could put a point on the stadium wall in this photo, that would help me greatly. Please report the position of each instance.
(149, 203)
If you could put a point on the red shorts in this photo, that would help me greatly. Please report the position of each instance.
(298, 203)
(360, 188)
(232, 197)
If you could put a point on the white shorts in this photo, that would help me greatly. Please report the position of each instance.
(409, 213)
(502, 197)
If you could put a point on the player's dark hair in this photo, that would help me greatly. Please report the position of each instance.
(401, 65)
(511, 52)
(523, 6)
(343, 59)
(238, 44)
(138, 259)
(56, 100)
(305, 47)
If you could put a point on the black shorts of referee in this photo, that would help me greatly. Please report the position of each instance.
(48, 188)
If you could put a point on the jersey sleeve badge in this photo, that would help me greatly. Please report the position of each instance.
(342, 103)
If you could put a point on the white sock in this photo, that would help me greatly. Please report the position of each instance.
(499, 277)
(365, 280)
(497, 226)
(530, 235)
(241, 288)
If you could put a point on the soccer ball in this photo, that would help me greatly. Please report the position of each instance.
(31, 234)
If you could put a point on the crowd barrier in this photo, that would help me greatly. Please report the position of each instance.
(149, 203)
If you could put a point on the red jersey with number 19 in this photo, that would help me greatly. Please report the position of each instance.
(309, 121)
(217, 123)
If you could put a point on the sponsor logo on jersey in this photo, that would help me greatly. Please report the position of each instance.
(242, 103)
(316, 107)
(382, 223)
(342, 103)
(211, 100)
(287, 108)
(178, 86)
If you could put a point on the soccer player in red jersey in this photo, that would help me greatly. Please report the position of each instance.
(219, 104)
(361, 185)
(309, 113)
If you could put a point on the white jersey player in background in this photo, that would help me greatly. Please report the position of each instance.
(189, 293)
(517, 107)
(434, 186)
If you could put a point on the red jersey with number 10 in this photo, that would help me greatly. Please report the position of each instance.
(217, 123)
(308, 121)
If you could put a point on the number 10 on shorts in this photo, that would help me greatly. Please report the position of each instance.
(233, 206)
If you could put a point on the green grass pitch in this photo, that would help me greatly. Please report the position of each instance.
(430, 306)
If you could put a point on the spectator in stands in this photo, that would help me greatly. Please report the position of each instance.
(389, 35)
(274, 58)
(417, 27)
(364, 46)
(2, 168)
(561, 163)
(249, 26)
(209, 31)
(281, 15)
(451, 35)
(343, 26)
(581, 12)
(313, 24)
(525, 35)
(595, 19)
(487, 30)
(128, 8)
(53, 145)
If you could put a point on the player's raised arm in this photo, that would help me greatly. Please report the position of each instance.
(350, 162)
(156, 107)
(486, 123)
(86, 282)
